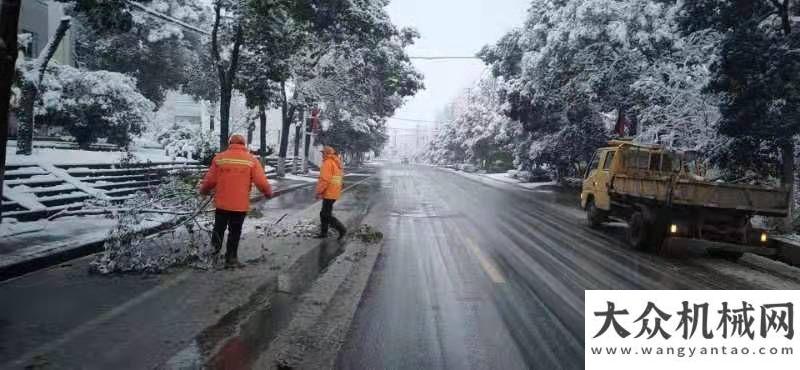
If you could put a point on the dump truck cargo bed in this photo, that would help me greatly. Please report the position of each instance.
(757, 200)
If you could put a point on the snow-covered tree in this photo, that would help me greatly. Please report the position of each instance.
(188, 142)
(91, 104)
(476, 129)
(120, 36)
(575, 62)
(673, 106)
(757, 75)
(357, 79)
(31, 86)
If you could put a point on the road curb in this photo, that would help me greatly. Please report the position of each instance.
(61, 252)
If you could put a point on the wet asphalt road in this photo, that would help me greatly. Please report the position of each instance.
(474, 276)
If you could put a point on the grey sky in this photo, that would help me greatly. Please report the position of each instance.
(450, 28)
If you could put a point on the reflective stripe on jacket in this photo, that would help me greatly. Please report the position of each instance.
(232, 174)
(329, 185)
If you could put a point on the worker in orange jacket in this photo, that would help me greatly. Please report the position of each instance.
(329, 188)
(232, 173)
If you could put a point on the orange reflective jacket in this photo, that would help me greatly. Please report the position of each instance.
(329, 185)
(232, 173)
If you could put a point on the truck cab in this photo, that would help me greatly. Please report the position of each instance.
(596, 179)
(620, 157)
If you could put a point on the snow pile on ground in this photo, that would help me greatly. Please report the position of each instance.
(10, 227)
(368, 234)
(304, 228)
(290, 176)
(547, 185)
(504, 177)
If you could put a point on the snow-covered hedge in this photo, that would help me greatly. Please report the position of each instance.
(90, 104)
(189, 142)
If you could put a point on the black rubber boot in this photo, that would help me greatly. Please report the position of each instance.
(339, 227)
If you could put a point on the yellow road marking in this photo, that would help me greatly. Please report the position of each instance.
(485, 261)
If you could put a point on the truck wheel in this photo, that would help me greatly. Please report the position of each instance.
(730, 256)
(594, 216)
(637, 231)
(669, 249)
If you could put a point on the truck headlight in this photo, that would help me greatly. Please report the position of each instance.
(763, 237)
(673, 229)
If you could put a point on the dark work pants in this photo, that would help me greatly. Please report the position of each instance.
(326, 217)
(231, 220)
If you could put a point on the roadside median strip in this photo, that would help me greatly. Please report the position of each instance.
(301, 263)
(322, 317)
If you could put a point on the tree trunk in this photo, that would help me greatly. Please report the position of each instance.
(251, 126)
(31, 89)
(298, 132)
(262, 117)
(224, 117)
(787, 154)
(26, 124)
(307, 146)
(226, 76)
(9, 20)
(286, 123)
(213, 115)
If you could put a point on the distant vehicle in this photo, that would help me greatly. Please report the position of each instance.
(669, 206)
(404, 160)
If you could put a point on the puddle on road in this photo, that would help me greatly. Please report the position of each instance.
(237, 340)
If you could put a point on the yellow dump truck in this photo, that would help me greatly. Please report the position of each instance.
(670, 206)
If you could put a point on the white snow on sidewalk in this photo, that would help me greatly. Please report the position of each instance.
(10, 227)
(76, 156)
(70, 156)
(299, 178)
(536, 185)
(502, 177)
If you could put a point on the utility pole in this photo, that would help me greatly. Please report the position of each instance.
(298, 132)
(306, 144)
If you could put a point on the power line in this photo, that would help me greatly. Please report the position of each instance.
(167, 18)
(188, 26)
(443, 57)
(417, 120)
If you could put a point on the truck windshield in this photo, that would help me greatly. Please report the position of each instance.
(609, 160)
(592, 164)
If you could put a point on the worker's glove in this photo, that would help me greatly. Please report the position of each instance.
(318, 196)
(268, 195)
